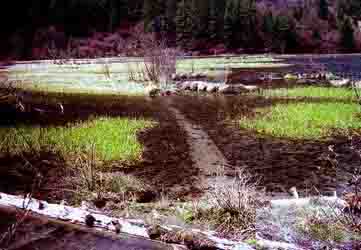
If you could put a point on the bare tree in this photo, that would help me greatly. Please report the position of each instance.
(159, 61)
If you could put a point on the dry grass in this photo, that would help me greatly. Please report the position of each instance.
(89, 180)
(231, 207)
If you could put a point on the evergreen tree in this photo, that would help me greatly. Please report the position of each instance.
(212, 20)
(184, 22)
(268, 29)
(347, 35)
(170, 15)
(323, 9)
(220, 8)
(248, 23)
(232, 24)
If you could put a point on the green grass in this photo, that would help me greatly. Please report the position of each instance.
(114, 138)
(321, 92)
(305, 120)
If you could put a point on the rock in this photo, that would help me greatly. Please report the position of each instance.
(226, 89)
(290, 77)
(202, 86)
(155, 232)
(41, 206)
(357, 84)
(89, 220)
(152, 90)
(117, 226)
(236, 88)
(211, 88)
(340, 82)
(194, 86)
(185, 85)
(144, 196)
(250, 87)
(242, 246)
(179, 247)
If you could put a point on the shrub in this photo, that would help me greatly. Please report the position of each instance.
(233, 206)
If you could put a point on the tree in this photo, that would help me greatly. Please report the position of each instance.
(170, 16)
(323, 9)
(184, 22)
(232, 24)
(347, 35)
(212, 20)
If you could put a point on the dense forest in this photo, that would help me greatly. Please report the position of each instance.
(285, 26)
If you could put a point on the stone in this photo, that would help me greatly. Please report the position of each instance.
(357, 84)
(117, 226)
(194, 86)
(155, 232)
(41, 206)
(290, 77)
(202, 86)
(89, 220)
(340, 82)
(226, 89)
(152, 90)
(211, 88)
(236, 88)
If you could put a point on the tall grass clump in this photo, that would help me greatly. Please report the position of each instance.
(305, 120)
(231, 207)
(114, 138)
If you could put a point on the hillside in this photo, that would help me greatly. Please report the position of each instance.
(199, 27)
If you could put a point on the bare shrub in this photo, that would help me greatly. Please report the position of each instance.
(159, 61)
(233, 206)
(90, 181)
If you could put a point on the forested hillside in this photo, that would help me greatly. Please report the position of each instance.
(201, 26)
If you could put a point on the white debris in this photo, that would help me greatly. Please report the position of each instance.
(340, 83)
(267, 244)
(306, 201)
(71, 214)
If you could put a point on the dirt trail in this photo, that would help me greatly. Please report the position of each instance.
(205, 154)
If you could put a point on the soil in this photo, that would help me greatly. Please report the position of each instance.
(166, 166)
(194, 134)
(279, 163)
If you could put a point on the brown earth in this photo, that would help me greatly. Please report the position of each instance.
(280, 163)
(167, 164)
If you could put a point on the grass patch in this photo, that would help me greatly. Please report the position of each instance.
(305, 120)
(320, 92)
(113, 138)
(323, 230)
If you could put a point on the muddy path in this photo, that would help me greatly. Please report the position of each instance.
(280, 163)
(206, 156)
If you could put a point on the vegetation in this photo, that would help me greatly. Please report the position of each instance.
(317, 92)
(245, 24)
(231, 208)
(114, 138)
(304, 120)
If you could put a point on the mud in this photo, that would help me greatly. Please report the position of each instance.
(168, 163)
(279, 163)
(165, 166)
